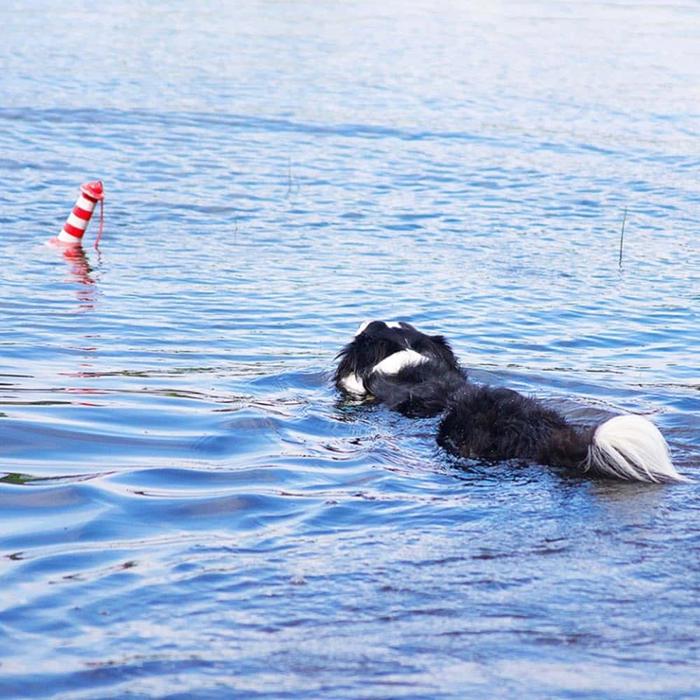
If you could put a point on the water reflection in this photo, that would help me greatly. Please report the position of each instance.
(81, 271)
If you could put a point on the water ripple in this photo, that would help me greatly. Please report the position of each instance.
(187, 507)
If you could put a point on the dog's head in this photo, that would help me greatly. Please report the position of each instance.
(375, 341)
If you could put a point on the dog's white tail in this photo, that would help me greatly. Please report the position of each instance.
(631, 448)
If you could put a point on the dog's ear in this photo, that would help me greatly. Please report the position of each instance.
(441, 341)
(363, 353)
(437, 347)
(444, 350)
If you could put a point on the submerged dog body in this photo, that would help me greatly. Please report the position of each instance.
(419, 375)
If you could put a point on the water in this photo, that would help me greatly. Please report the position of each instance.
(188, 509)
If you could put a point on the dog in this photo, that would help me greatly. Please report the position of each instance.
(419, 375)
(395, 363)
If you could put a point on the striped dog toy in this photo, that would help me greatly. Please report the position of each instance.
(74, 228)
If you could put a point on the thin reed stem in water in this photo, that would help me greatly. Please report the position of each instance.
(622, 235)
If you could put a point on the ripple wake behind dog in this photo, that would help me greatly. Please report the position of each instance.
(419, 375)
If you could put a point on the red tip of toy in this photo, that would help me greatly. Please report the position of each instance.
(94, 189)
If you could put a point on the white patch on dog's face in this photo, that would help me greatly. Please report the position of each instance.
(388, 324)
(353, 385)
(362, 328)
(396, 362)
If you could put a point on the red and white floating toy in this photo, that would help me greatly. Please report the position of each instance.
(74, 228)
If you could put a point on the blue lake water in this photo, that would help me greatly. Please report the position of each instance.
(188, 509)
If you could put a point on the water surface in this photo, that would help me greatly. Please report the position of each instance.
(188, 509)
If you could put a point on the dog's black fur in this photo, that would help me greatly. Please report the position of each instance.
(420, 390)
(378, 340)
(495, 424)
(489, 423)
(481, 422)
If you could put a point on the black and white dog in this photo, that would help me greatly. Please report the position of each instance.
(419, 375)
